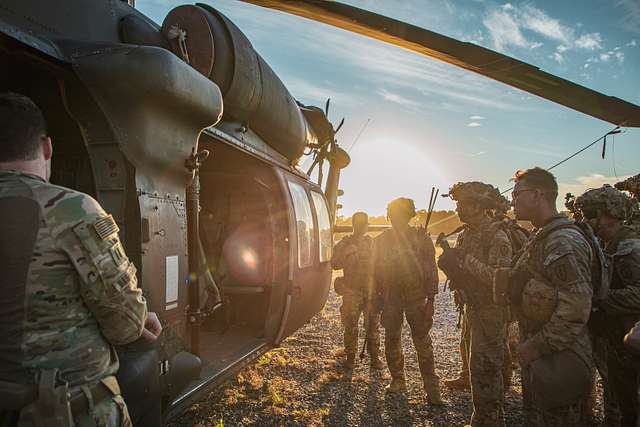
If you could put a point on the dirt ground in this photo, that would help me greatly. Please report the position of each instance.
(299, 384)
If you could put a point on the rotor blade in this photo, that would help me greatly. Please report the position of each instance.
(463, 54)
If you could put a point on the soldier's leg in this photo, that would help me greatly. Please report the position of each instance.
(624, 383)
(392, 318)
(372, 327)
(488, 341)
(350, 314)
(420, 322)
(461, 382)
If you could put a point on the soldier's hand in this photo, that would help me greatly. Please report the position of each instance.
(632, 339)
(527, 353)
(152, 327)
(517, 281)
(449, 262)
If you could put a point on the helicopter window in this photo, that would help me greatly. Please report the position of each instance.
(304, 223)
(324, 226)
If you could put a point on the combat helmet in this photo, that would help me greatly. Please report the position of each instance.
(604, 199)
(402, 204)
(486, 195)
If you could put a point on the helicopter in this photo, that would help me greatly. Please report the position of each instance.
(185, 134)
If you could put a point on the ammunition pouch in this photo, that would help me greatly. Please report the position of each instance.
(46, 404)
(50, 403)
(339, 285)
(559, 379)
(501, 286)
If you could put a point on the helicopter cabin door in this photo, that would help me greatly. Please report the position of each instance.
(310, 251)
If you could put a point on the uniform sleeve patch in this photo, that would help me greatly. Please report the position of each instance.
(105, 227)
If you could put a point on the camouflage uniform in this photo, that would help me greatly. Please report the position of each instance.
(70, 292)
(406, 274)
(486, 247)
(621, 311)
(553, 312)
(357, 296)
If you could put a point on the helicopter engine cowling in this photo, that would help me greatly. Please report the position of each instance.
(253, 94)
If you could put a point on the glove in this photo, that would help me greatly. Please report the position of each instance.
(517, 281)
(449, 262)
(527, 353)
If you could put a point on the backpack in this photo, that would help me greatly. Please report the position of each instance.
(601, 265)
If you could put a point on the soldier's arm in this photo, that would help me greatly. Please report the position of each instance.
(431, 270)
(568, 265)
(378, 268)
(626, 300)
(500, 255)
(108, 283)
(338, 259)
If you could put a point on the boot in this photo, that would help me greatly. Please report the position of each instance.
(376, 363)
(432, 387)
(397, 385)
(460, 383)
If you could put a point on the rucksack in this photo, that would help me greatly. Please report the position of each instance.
(601, 265)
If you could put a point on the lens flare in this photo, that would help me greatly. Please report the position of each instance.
(249, 258)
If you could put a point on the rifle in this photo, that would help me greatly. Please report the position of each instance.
(432, 204)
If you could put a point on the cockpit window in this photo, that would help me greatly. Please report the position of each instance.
(304, 223)
(324, 227)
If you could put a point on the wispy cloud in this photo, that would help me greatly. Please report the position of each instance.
(474, 124)
(476, 117)
(583, 183)
(398, 99)
(511, 26)
(632, 43)
(631, 15)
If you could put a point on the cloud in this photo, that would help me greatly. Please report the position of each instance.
(510, 26)
(474, 125)
(536, 20)
(583, 183)
(631, 15)
(619, 56)
(397, 99)
(558, 57)
(632, 43)
(476, 118)
(604, 57)
(504, 30)
(589, 41)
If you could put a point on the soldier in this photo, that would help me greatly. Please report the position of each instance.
(406, 281)
(483, 247)
(632, 185)
(550, 288)
(606, 209)
(68, 291)
(354, 255)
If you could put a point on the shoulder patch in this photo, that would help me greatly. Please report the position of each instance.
(105, 227)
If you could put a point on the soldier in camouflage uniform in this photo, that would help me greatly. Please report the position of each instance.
(550, 289)
(354, 255)
(68, 291)
(483, 247)
(606, 210)
(632, 185)
(406, 281)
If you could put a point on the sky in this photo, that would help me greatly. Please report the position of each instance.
(432, 124)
